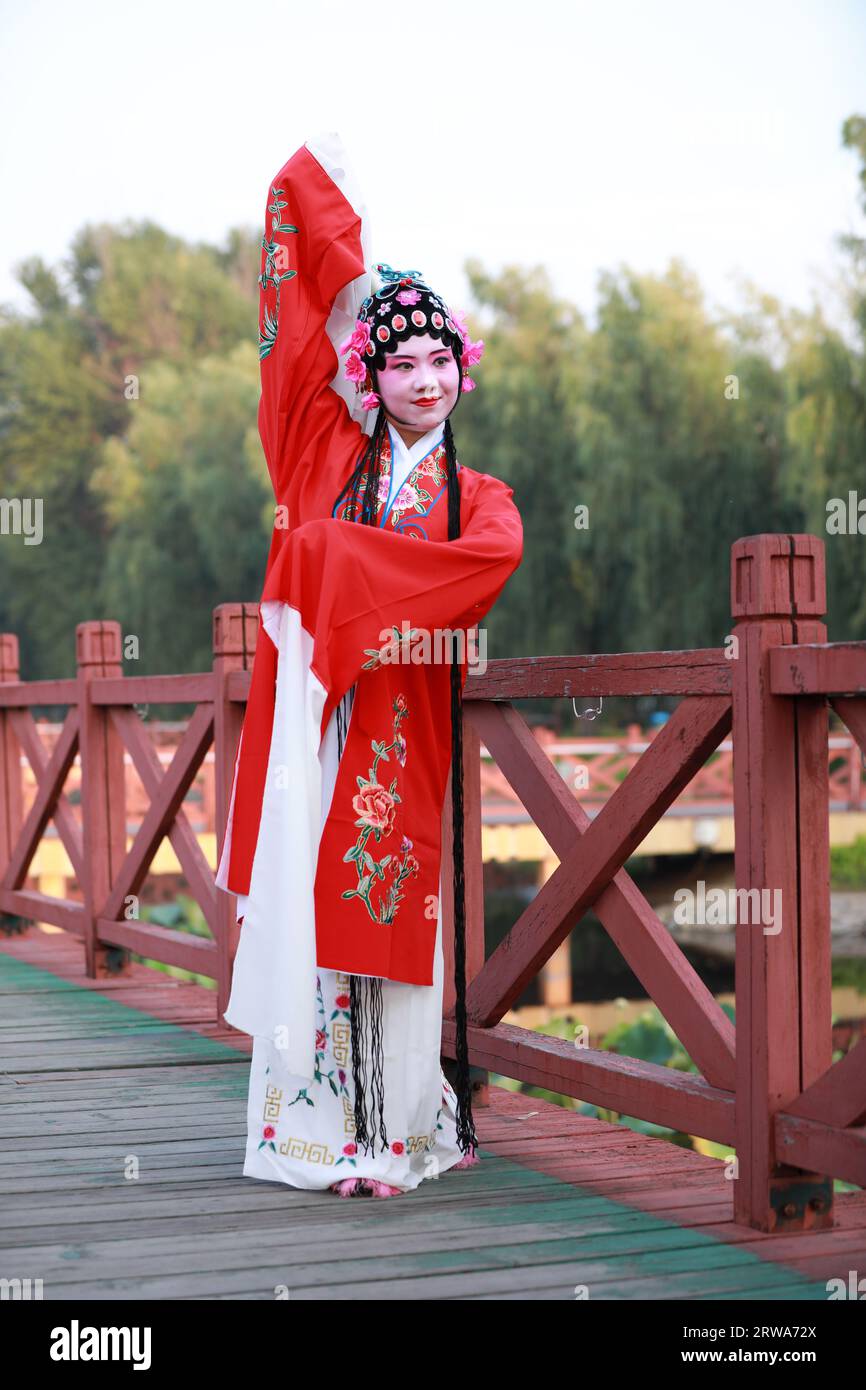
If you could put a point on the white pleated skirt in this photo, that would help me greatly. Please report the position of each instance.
(302, 1132)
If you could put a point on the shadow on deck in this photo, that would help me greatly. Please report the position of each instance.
(96, 1072)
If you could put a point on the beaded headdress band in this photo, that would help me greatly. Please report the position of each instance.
(404, 307)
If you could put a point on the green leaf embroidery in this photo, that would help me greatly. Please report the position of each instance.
(269, 276)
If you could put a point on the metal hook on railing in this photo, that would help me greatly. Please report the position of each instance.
(587, 713)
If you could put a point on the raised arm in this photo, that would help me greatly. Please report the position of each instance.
(313, 278)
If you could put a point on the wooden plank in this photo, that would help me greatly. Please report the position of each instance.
(529, 1220)
(24, 694)
(195, 953)
(186, 688)
(645, 1090)
(412, 1250)
(431, 1274)
(809, 666)
(704, 671)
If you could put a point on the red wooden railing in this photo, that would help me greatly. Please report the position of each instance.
(592, 766)
(600, 764)
(795, 1118)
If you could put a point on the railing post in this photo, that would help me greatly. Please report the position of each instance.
(11, 797)
(235, 630)
(103, 790)
(782, 849)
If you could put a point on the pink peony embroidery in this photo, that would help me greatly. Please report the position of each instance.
(406, 497)
(375, 807)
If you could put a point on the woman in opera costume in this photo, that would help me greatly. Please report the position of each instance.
(383, 547)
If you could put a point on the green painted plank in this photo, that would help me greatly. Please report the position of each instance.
(483, 1232)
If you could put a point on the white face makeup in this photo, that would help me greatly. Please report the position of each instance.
(421, 370)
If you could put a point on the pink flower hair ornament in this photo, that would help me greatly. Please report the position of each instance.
(472, 352)
(402, 319)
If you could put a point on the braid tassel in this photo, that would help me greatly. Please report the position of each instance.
(466, 1137)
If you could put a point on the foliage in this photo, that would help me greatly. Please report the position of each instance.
(848, 864)
(129, 408)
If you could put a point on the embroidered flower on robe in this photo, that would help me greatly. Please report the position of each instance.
(276, 256)
(338, 1087)
(407, 497)
(390, 653)
(376, 808)
(413, 495)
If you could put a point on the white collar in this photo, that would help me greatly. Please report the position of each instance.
(402, 455)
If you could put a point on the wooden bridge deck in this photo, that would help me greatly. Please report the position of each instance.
(96, 1071)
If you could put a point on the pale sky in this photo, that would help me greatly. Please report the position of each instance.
(576, 135)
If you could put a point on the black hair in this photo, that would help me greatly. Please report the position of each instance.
(370, 463)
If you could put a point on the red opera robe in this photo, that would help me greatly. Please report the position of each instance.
(354, 886)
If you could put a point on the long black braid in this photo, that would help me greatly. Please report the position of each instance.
(466, 1137)
(370, 464)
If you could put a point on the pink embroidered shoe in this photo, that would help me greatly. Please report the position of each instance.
(381, 1189)
(349, 1187)
(469, 1159)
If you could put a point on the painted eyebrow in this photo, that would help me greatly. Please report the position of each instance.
(407, 356)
